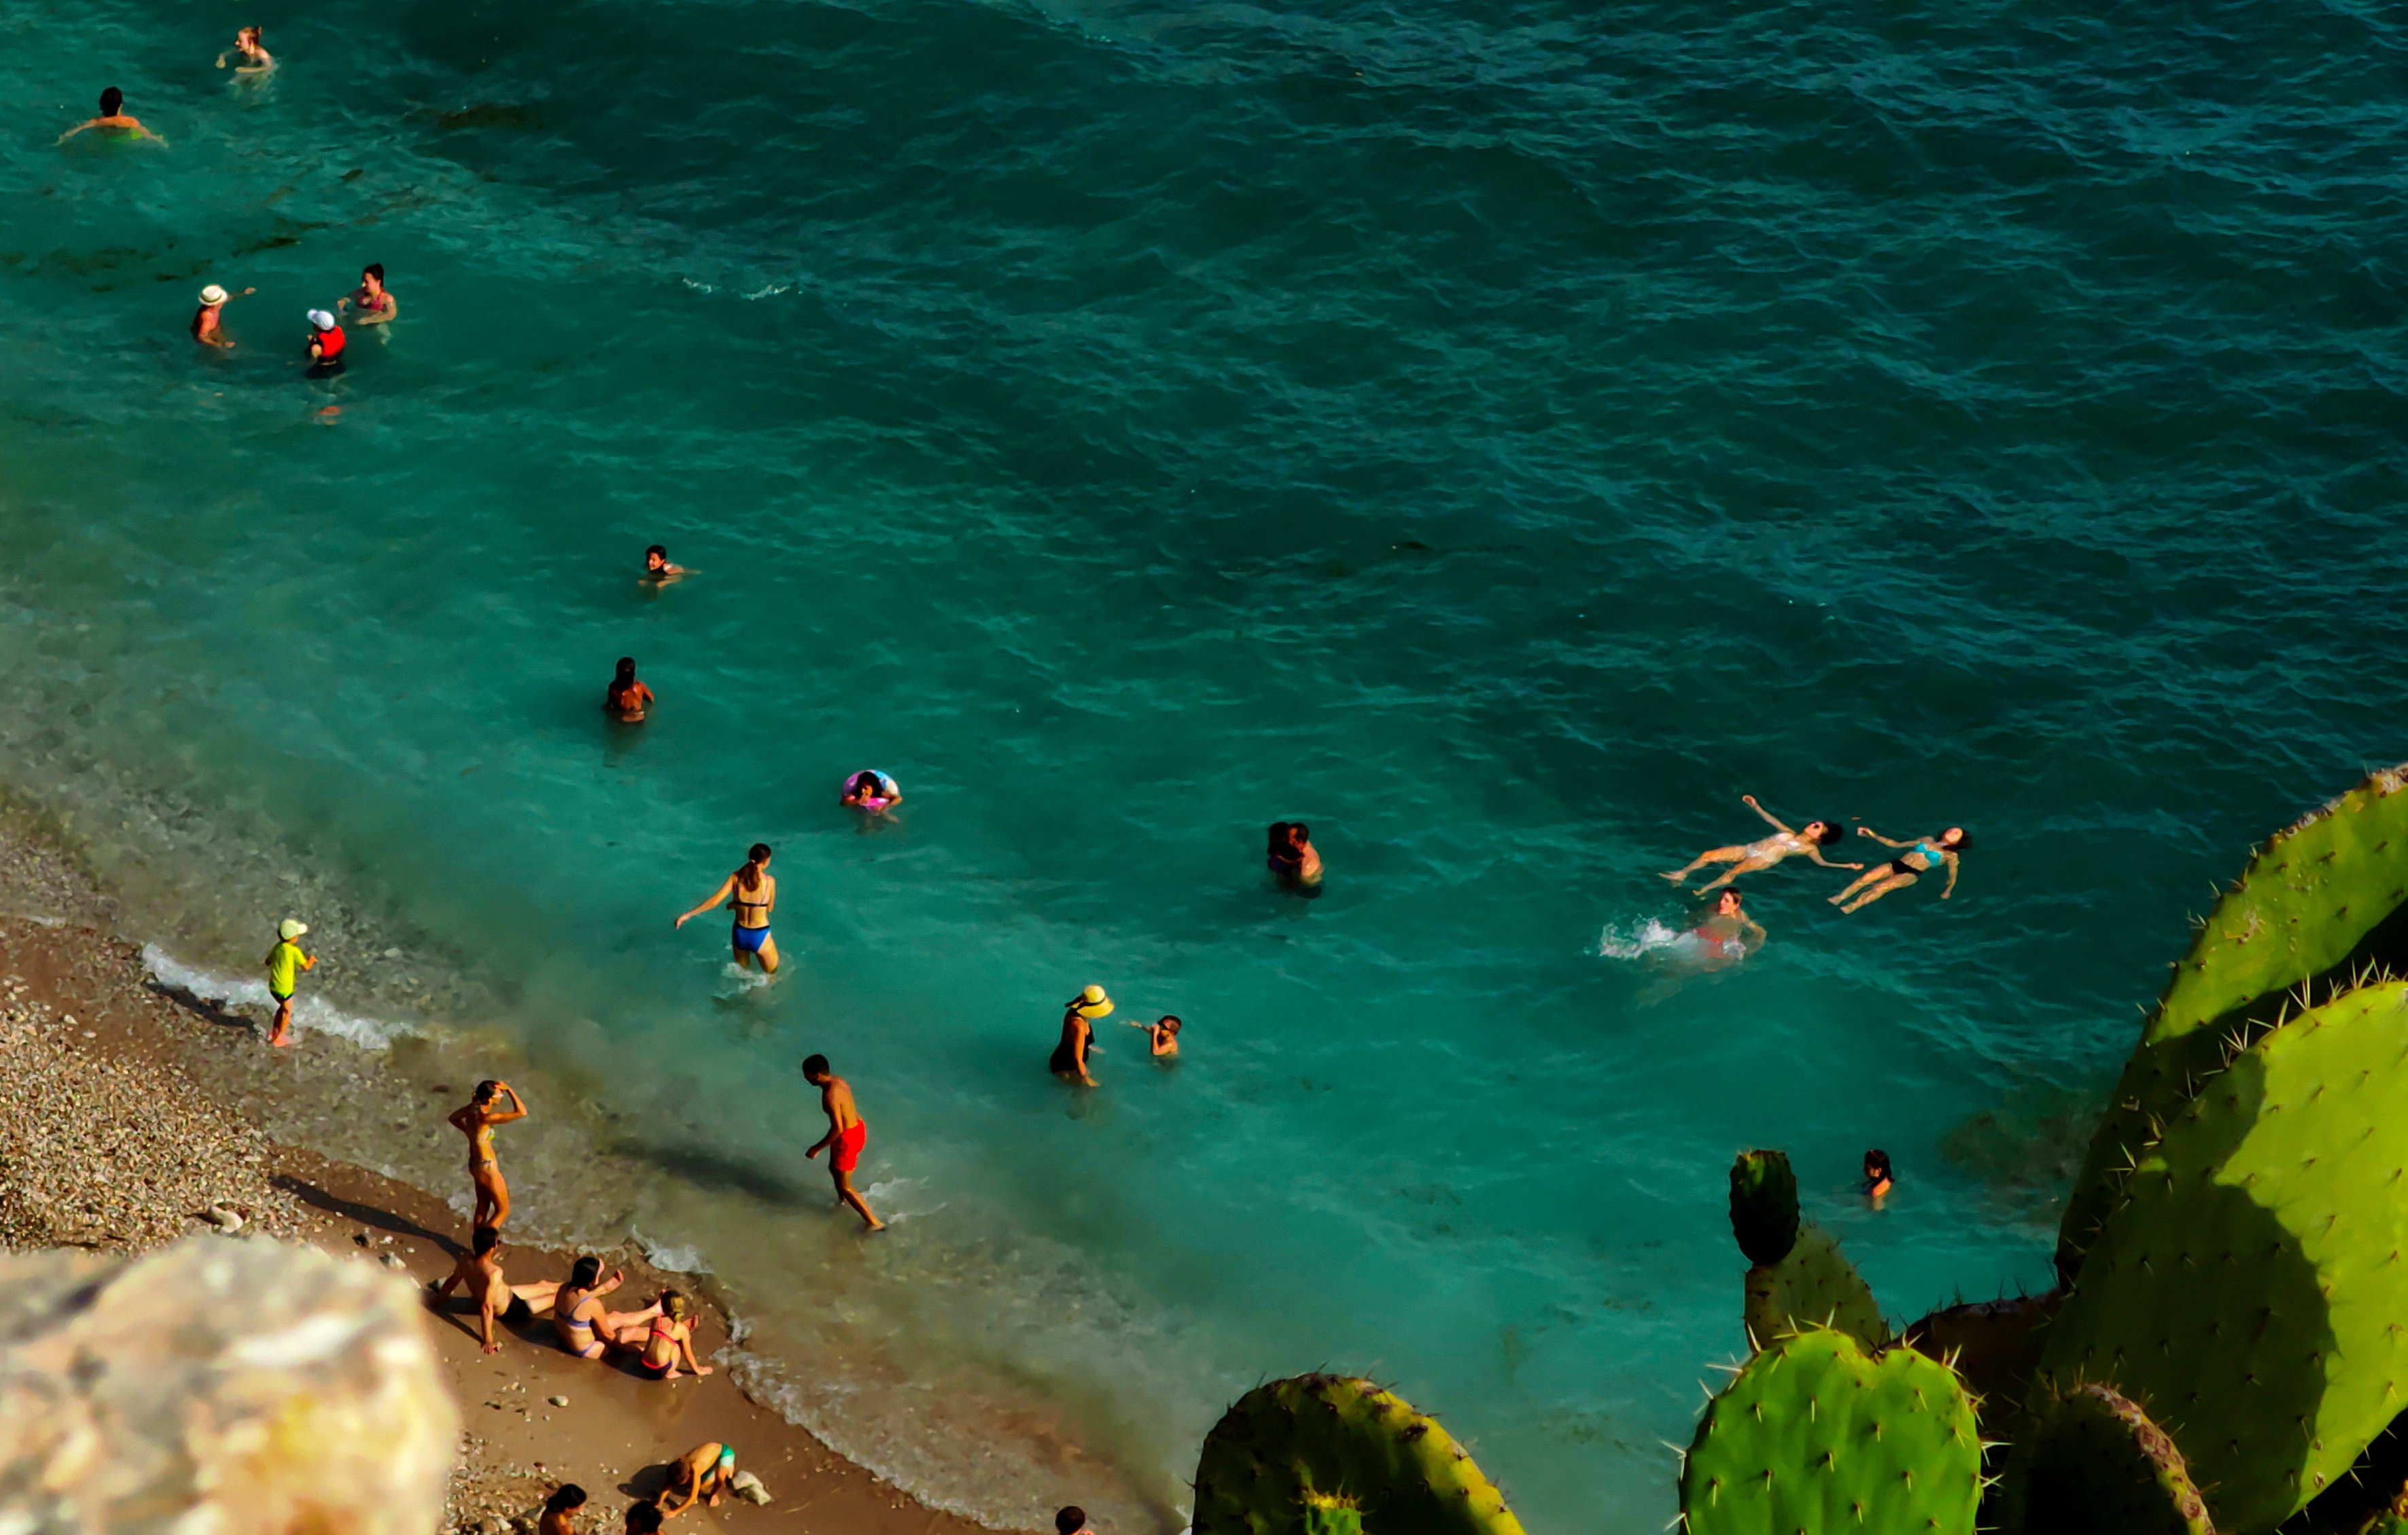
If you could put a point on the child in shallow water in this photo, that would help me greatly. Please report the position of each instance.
(1162, 1036)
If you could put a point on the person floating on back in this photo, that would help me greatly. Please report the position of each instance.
(1293, 859)
(1162, 1036)
(627, 697)
(284, 963)
(1922, 856)
(1878, 1180)
(251, 57)
(475, 1120)
(1070, 1059)
(847, 1134)
(114, 121)
(326, 343)
(751, 895)
(205, 327)
(1753, 857)
(658, 569)
(375, 305)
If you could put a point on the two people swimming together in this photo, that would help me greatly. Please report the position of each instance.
(1069, 1061)
(1924, 855)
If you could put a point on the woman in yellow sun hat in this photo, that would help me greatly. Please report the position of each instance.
(1079, 1014)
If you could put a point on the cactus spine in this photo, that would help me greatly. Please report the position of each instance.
(2096, 1465)
(1328, 1454)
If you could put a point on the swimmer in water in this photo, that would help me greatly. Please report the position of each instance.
(627, 697)
(326, 343)
(205, 329)
(1070, 1059)
(1294, 861)
(375, 305)
(1729, 934)
(750, 893)
(255, 59)
(475, 1120)
(872, 791)
(1877, 1176)
(658, 569)
(1162, 1036)
(1922, 856)
(847, 1134)
(114, 121)
(1753, 857)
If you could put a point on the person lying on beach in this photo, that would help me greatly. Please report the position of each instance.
(1878, 1180)
(475, 1120)
(1753, 857)
(625, 696)
(1727, 934)
(643, 1519)
(479, 1274)
(560, 1511)
(375, 306)
(847, 1134)
(671, 1340)
(1069, 1059)
(1922, 856)
(114, 121)
(1294, 862)
(702, 1475)
(285, 962)
(1162, 1036)
(580, 1323)
(205, 329)
(751, 895)
(255, 59)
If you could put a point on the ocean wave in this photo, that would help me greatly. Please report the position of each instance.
(309, 1013)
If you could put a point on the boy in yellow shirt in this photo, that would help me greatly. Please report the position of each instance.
(284, 964)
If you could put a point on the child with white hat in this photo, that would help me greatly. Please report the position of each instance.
(284, 964)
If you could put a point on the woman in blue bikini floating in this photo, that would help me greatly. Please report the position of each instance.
(750, 893)
(1924, 855)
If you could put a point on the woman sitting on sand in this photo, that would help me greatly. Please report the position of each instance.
(670, 1340)
(1922, 856)
(476, 1121)
(585, 1329)
(1751, 857)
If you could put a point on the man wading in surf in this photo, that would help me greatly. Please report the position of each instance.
(847, 1134)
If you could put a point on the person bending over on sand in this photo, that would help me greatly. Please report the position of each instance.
(479, 1273)
(847, 1134)
(583, 1327)
(285, 962)
(671, 1340)
(750, 893)
(475, 1120)
(658, 569)
(1727, 934)
(702, 1475)
(643, 1519)
(1069, 1059)
(560, 1511)
(1163, 1036)
(1294, 862)
(627, 697)
(375, 305)
(1753, 857)
(205, 329)
(1922, 856)
(252, 58)
(114, 121)
(1878, 1180)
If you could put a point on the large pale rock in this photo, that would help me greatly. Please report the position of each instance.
(220, 1386)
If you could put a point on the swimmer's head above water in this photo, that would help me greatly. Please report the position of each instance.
(1821, 832)
(626, 677)
(112, 101)
(1955, 839)
(1726, 905)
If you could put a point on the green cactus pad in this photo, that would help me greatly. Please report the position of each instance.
(1325, 1454)
(1813, 1285)
(1815, 1435)
(2250, 1291)
(1994, 1345)
(2306, 910)
(1764, 1205)
(2096, 1465)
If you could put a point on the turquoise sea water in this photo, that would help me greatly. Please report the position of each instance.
(1497, 434)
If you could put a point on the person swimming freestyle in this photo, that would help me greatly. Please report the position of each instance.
(752, 894)
(114, 121)
(1922, 856)
(1754, 857)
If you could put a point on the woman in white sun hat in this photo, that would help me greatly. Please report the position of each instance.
(204, 320)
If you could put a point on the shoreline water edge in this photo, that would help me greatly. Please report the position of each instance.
(141, 1082)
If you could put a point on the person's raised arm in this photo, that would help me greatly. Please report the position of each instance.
(459, 1119)
(1748, 801)
(1868, 831)
(518, 1107)
(726, 888)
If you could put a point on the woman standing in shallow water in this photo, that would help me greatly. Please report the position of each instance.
(475, 1120)
(750, 893)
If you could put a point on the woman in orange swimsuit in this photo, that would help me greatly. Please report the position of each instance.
(671, 1340)
(477, 1121)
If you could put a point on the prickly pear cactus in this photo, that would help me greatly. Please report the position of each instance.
(1994, 1346)
(1813, 1285)
(1817, 1435)
(2094, 1465)
(1325, 1454)
(2250, 1291)
(2307, 900)
(1764, 1205)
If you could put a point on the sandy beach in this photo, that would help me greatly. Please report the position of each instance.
(109, 1142)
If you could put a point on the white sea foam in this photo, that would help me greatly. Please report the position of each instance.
(672, 1260)
(309, 1013)
(1641, 939)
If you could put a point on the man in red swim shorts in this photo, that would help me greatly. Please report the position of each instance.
(847, 1134)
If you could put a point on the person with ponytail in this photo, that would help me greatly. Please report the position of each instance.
(750, 893)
